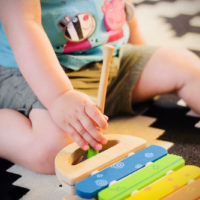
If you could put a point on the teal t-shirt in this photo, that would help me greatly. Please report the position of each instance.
(77, 29)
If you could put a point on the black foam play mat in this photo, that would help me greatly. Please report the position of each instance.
(163, 22)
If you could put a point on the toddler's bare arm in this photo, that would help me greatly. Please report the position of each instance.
(135, 34)
(72, 111)
(34, 54)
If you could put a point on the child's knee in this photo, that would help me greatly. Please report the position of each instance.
(184, 63)
(178, 54)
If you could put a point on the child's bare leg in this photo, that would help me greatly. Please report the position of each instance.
(32, 143)
(171, 69)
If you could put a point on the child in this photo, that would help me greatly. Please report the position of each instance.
(67, 36)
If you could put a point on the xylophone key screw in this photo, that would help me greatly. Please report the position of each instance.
(112, 182)
(94, 172)
(169, 172)
(134, 192)
(190, 181)
(149, 163)
(130, 154)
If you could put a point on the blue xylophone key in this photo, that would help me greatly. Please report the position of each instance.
(89, 187)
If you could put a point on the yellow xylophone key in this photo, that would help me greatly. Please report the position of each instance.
(188, 192)
(168, 184)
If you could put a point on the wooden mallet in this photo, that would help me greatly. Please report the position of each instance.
(107, 57)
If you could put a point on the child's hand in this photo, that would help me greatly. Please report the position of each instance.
(76, 114)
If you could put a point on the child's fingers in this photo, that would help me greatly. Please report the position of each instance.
(94, 144)
(106, 117)
(89, 132)
(84, 126)
(91, 128)
(96, 115)
(76, 136)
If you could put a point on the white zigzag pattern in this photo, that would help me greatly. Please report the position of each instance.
(157, 32)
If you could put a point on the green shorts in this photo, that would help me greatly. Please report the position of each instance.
(124, 73)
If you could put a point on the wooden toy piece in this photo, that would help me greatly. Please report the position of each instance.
(168, 184)
(141, 178)
(89, 187)
(73, 197)
(91, 152)
(107, 57)
(191, 191)
(69, 189)
(117, 148)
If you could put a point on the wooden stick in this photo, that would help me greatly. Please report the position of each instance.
(107, 56)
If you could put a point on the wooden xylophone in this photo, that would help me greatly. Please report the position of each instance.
(127, 169)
